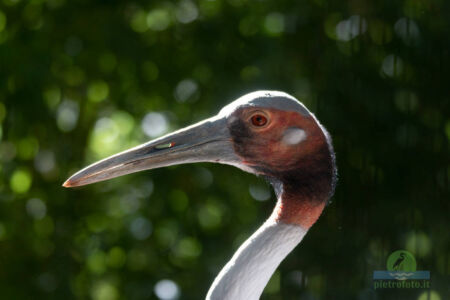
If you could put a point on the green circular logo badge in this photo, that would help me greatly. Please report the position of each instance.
(401, 260)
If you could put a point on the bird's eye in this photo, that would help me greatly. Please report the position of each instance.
(259, 120)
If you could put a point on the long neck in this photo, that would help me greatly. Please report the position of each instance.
(247, 273)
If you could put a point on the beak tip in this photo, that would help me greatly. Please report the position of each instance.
(67, 184)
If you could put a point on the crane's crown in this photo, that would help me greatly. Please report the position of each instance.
(267, 99)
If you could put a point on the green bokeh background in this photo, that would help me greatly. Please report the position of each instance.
(79, 78)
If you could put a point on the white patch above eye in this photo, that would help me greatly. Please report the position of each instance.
(293, 136)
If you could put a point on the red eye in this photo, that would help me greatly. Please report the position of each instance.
(259, 120)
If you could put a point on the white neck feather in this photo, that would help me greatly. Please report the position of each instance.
(247, 273)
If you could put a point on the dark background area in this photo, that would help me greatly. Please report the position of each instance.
(80, 80)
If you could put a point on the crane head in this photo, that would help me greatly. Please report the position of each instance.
(267, 133)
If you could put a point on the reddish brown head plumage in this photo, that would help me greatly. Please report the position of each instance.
(291, 149)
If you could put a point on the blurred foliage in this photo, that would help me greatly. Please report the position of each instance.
(80, 80)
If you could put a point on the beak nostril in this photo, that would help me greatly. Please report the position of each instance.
(164, 146)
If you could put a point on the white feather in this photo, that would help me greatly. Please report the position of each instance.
(247, 273)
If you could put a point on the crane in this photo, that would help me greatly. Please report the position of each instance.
(267, 133)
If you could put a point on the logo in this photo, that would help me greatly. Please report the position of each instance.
(401, 273)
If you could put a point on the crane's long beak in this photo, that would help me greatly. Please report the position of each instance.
(206, 141)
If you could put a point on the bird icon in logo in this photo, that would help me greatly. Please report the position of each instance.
(399, 261)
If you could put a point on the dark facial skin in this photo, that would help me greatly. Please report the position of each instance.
(305, 169)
